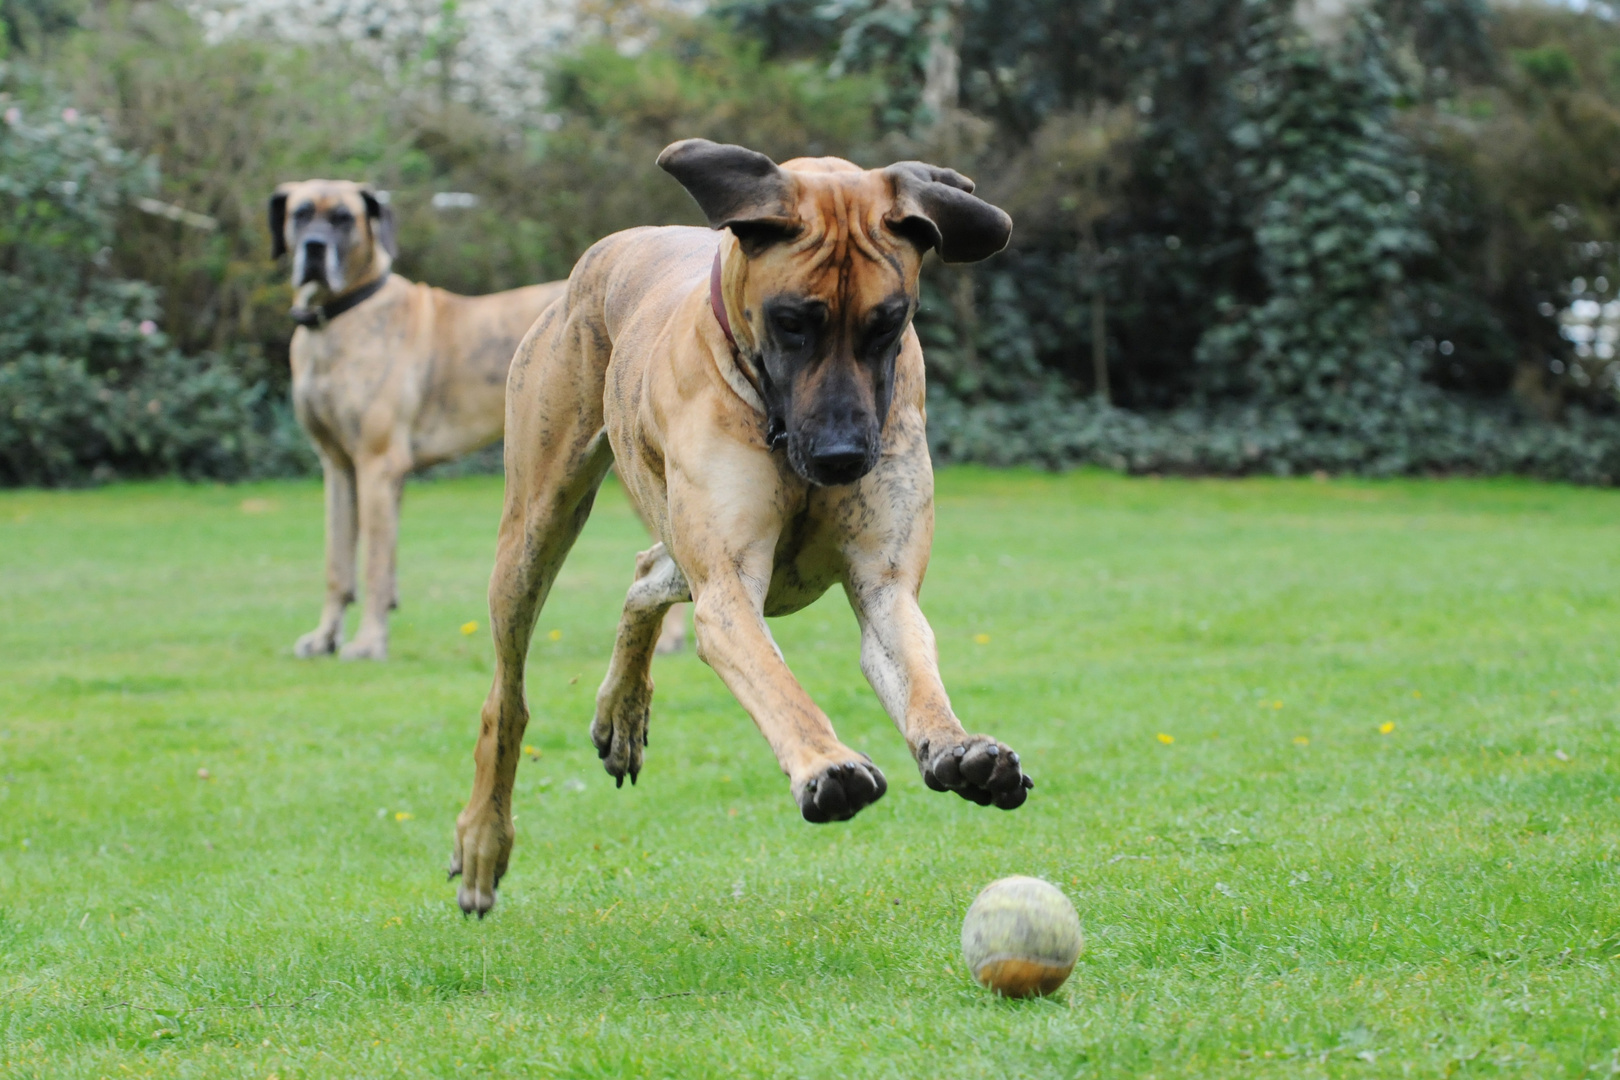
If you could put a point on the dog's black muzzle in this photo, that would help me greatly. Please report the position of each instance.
(314, 268)
(835, 454)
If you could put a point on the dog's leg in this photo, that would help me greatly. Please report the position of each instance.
(543, 517)
(340, 541)
(901, 662)
(883, 577)
(625, 698)
(381, 484)
(556, 456)
(672, 634)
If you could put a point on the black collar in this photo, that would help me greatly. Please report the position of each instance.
(319, 316)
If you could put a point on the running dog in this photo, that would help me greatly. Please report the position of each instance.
(760, 390)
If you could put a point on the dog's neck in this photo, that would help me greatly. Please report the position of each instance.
(316, 316)
(717, 303)
(739, 367)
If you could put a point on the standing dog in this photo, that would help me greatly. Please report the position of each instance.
(387, 376)
(761, 390)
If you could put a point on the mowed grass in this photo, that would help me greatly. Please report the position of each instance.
(1201, 676)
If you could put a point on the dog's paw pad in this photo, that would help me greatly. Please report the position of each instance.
(619, 731)
(976, 767)
(840, 791)
(316, 643)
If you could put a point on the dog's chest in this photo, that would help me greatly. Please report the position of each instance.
(334, 386)
(322, 403)
(808, 563)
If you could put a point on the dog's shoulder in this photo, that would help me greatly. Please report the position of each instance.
(653, 247)
(626, 270)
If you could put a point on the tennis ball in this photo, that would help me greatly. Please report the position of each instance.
(1021, 937)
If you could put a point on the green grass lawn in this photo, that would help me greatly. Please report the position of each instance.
(1201, 676)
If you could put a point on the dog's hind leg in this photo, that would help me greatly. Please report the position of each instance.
(556, 457)
(672, 633)
(341, 524)
(625, 698)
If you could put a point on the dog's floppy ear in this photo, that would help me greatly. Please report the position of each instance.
(381, 216)
(936, 208)
(278, 221)
(736, 188)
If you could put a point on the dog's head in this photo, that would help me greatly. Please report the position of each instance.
(339, 233)
(827, 284)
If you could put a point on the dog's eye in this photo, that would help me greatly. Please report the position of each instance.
(790, 328)
(342, 218)
(885, 327)
(304, 213)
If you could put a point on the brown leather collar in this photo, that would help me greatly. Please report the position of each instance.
(717, 304)
(753, 369)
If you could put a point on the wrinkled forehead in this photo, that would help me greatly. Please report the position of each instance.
(844, 252)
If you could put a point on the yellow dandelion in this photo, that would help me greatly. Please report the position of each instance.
(1276, 704)
(469, 628)
(981, 639)
(1301, 740)
(1417, 693)
(532, 751)
(1386, 727)
(555, 635)
(1166, 739)
(403, 816)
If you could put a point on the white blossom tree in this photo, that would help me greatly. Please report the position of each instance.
(485, 53)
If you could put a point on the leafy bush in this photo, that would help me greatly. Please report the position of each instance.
(1303, 250)
(1433, 435)
(1239, 246)
(90, 388)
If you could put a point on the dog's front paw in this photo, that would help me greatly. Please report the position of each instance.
(483, 846)
(322, 641)
(976, 767)
(839, 790)
(366, 647)
(619, 730)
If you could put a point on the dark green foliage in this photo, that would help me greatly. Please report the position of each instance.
(90, 388)
(1332, 194)
(26, 25)
(270, 112)
(1431, 434)
(1549, 66)
(1345, 251)
(596, 172)
(1311, 259)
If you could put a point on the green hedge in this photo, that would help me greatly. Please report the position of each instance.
(90, 387)
(1342, 255)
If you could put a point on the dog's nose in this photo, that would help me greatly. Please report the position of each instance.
(842, 462)
(314, 260)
